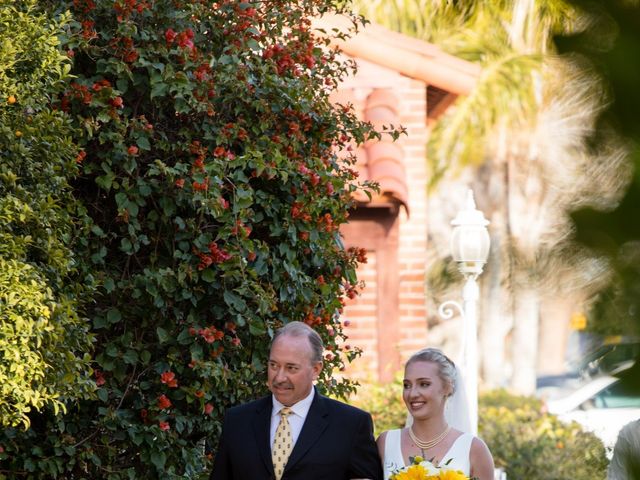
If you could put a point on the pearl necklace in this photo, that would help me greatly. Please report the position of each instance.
(429, 443)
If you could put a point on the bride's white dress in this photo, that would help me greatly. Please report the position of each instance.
(458, 454)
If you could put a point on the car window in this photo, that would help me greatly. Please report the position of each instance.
(621, 394)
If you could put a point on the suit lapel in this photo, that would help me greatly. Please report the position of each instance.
(261, 431)
(314, 425)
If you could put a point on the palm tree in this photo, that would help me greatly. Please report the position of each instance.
(524, 172)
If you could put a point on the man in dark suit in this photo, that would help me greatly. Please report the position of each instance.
(295, 433)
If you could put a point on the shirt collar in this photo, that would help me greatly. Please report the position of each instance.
(300, 408)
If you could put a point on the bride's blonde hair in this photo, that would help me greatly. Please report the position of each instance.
(446, 367)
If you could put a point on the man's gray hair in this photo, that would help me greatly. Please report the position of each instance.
(300, 329)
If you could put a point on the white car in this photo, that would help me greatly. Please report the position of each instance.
(602, 405)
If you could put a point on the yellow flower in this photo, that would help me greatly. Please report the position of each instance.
(424, 470)
(414, 472)
(452, 475)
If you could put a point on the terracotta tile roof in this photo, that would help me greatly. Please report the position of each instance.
(384, 158)
(380, 161)
(409, 56)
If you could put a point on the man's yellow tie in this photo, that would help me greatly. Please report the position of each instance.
(282, 444)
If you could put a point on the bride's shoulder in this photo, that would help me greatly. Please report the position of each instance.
(482, 465)
(382, 437)
(479, 451)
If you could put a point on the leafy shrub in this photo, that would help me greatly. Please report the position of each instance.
(384, 402)
(44, 344)
(528, 443)
(210, 170)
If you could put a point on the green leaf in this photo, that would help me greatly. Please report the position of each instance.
(103, 395)
(208, 275)
(113, 315)
(126, 246)
(143, 143)
(163, 336)
(145, 356)
(99, 322)
(257, 327)
(234, 301)
(159, 90)
(158, 459)
(130, 357)
(185, 337)
(109, 285)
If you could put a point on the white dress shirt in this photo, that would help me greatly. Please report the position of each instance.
(296, 418)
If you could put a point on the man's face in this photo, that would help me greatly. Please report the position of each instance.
(291, 371)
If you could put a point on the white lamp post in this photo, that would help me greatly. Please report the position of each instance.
(470, 248)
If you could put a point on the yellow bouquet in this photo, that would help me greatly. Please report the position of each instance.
(422, 469)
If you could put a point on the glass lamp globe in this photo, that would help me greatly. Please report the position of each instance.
(470, 240)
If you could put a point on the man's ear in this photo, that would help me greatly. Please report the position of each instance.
(317, 368)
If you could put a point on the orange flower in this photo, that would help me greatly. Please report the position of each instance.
(163, 402)
(169, 378)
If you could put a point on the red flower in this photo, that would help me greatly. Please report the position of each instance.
(170, 35)
(81, 156)
(99, 378)
(130, 56)
(163, 402)
(180, 183)
(201, 186)
(330, 188)
(164, 426)
(199, 393)
(199, 163)
(132, 150)
(210, 334)
(208, 408)
(169, 378)
(219, 151)
(116, 102)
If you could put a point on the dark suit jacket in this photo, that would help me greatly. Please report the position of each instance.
(336, 443)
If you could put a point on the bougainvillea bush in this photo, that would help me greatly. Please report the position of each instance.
(216, 173)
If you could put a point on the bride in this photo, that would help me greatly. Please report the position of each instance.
(430, 381)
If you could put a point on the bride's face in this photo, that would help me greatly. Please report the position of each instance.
(424, 393)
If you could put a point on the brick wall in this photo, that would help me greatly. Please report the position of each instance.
(407, 332)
